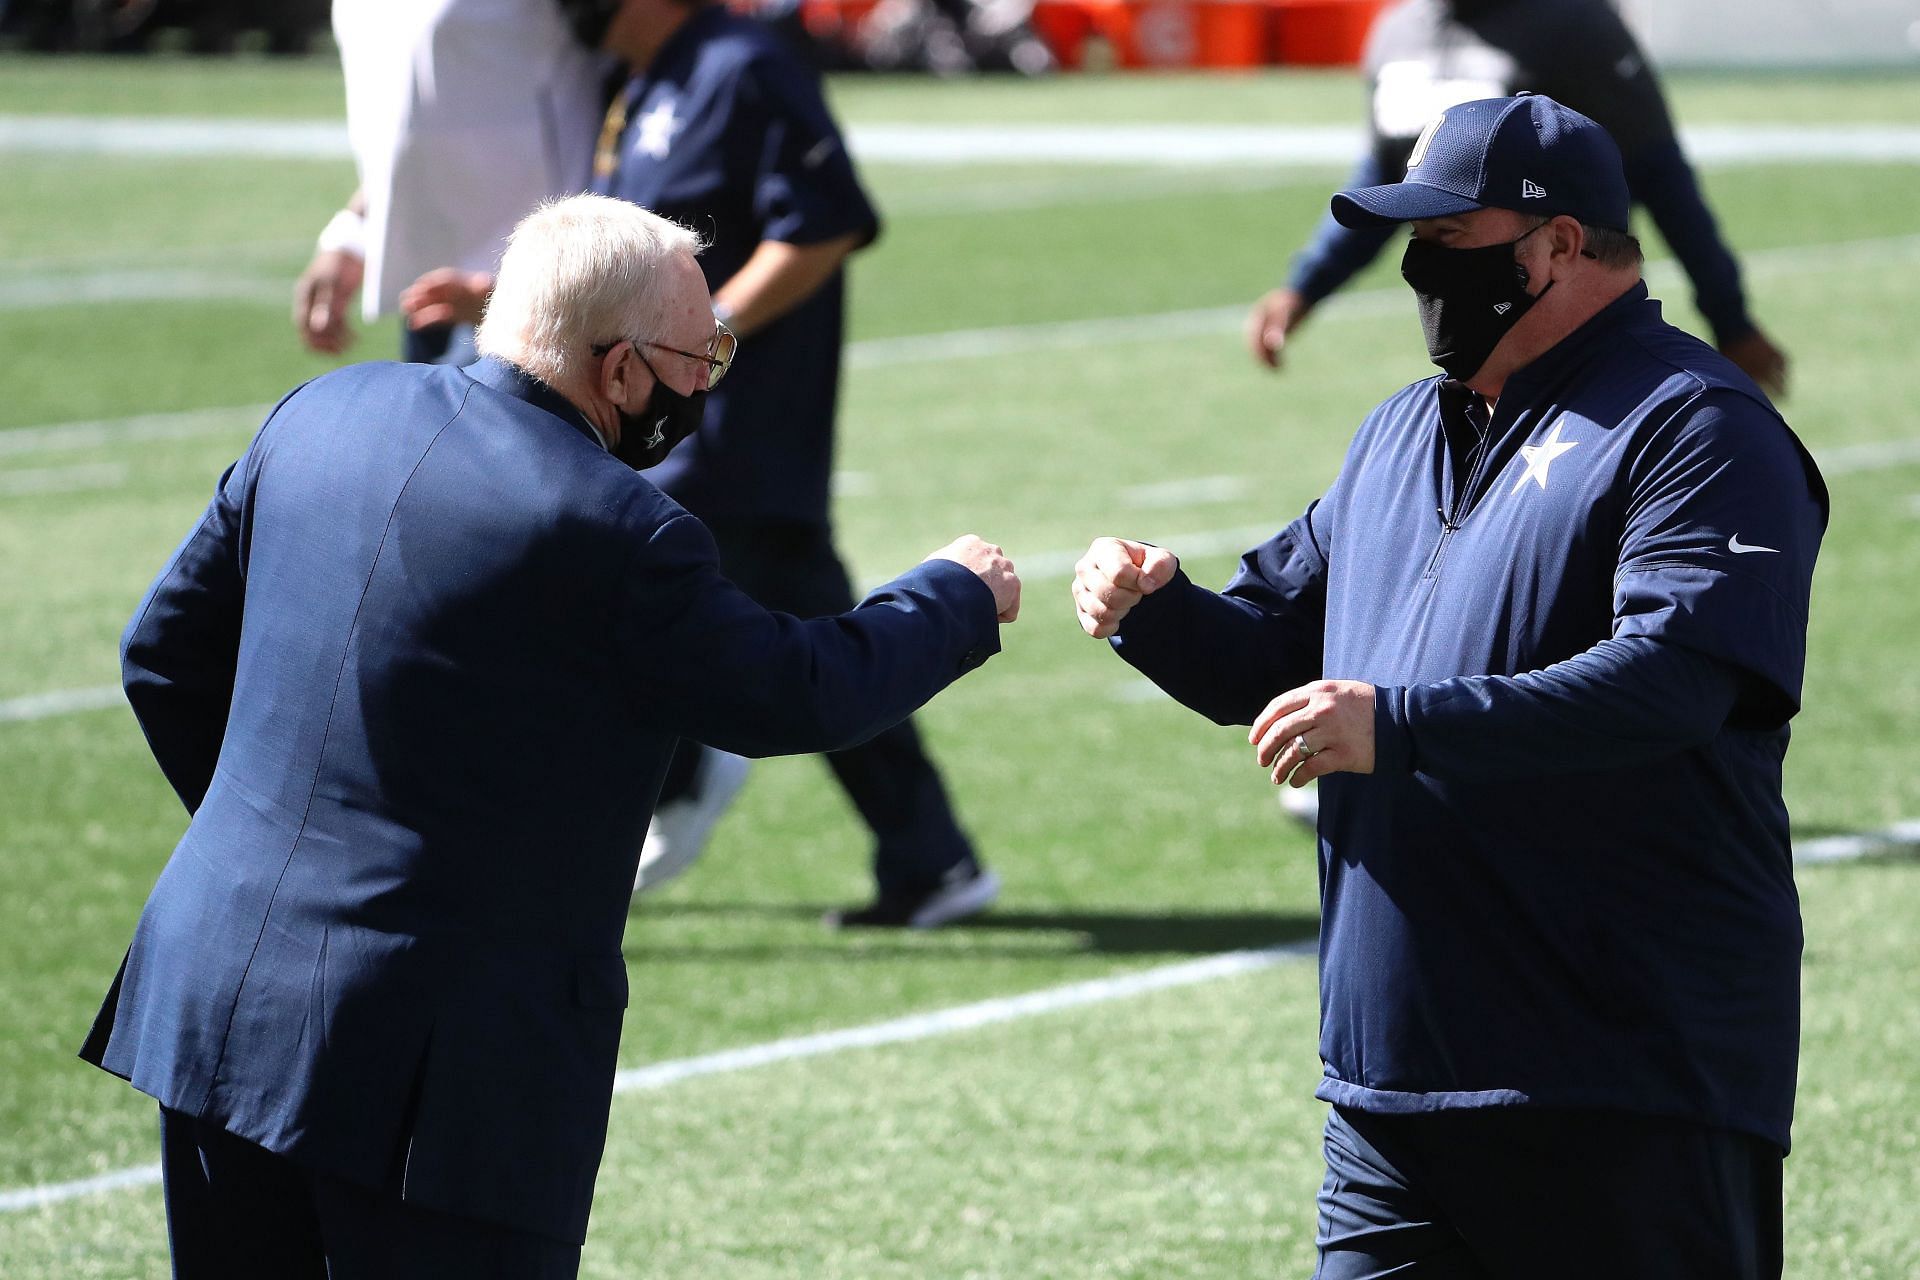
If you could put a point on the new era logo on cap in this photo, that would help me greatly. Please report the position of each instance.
(1526, 153)
(1419, 152)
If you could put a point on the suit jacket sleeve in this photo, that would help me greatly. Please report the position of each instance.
(178, 654)
(711, 665)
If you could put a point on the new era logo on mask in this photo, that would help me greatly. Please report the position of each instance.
(1501, 308)
(1529, 190)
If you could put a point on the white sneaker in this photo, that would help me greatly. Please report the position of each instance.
(678, 833)
(967, 890)
(1302, 804)
(967, 897)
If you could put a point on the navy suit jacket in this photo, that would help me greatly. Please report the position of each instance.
(417, 674)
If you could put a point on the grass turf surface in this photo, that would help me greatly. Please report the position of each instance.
(1172, 1135)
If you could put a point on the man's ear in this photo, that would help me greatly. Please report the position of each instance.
(613, 372)
(1567, 238)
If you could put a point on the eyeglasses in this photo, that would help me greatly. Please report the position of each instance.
(718, 359)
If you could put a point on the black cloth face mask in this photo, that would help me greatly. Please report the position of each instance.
(1469, 299)
(589, 19)
(669, 417)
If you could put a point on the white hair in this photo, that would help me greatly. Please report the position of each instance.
(577, 272)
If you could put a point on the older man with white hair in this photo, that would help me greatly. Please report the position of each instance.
(416, 674)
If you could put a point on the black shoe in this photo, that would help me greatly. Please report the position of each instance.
(967, 890)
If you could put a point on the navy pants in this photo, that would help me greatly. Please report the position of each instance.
(437, 344)
(236, 1211)
(1537, 1194)
(791, 567)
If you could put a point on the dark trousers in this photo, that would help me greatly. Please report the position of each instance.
(425, 346)
(1536, 1194)
(792, 568)
(236, 1211)
(438, 344)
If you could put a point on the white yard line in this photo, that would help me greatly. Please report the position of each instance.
(52, 1193)
(920, 144)
(61, 437)
(1057, 335)
(1876, 455)
(966, 1017)
(918, 199)
(180, 137)
(119, 258)
(905, 1030)
(67, 289)
(1899, 838)
(61, 702)
(85, 477)
(1190, 492)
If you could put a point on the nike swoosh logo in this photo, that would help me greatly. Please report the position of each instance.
(1740, 548)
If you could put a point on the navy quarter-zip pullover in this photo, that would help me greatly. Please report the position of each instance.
(1568, 881)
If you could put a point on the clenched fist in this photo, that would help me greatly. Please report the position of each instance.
(1114, 576)
(990, 564)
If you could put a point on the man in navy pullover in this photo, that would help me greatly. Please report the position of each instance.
(1541, 640)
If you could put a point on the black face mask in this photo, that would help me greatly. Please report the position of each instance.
(1469, 299)
(590, 19)
(669, 417)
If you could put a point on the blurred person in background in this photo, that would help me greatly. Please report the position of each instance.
(722, 128)
(1424, 56)
(463, 115)
(1541, 642)
(416, 674)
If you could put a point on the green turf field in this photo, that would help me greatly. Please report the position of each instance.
(1163, 1135)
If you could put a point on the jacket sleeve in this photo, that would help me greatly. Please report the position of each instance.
(178, 654)
(1227, 655)
(1336, 254)
(1626, 701)
(711, 665)
(1663, 182)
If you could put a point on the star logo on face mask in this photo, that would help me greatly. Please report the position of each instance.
(654, 130)
(1540, 457)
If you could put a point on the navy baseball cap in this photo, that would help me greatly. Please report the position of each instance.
(1527, 153)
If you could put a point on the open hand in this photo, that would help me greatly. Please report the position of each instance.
(446, 295)
(1320, 728)
(321, 299)
(1760, 360)
(1272, 321)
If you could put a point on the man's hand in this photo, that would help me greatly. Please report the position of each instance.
(1114, 576)
(321, 298)
(991, 565)
(446, 295)
(1760, 360)
(1320, 728)
(1270, 323)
